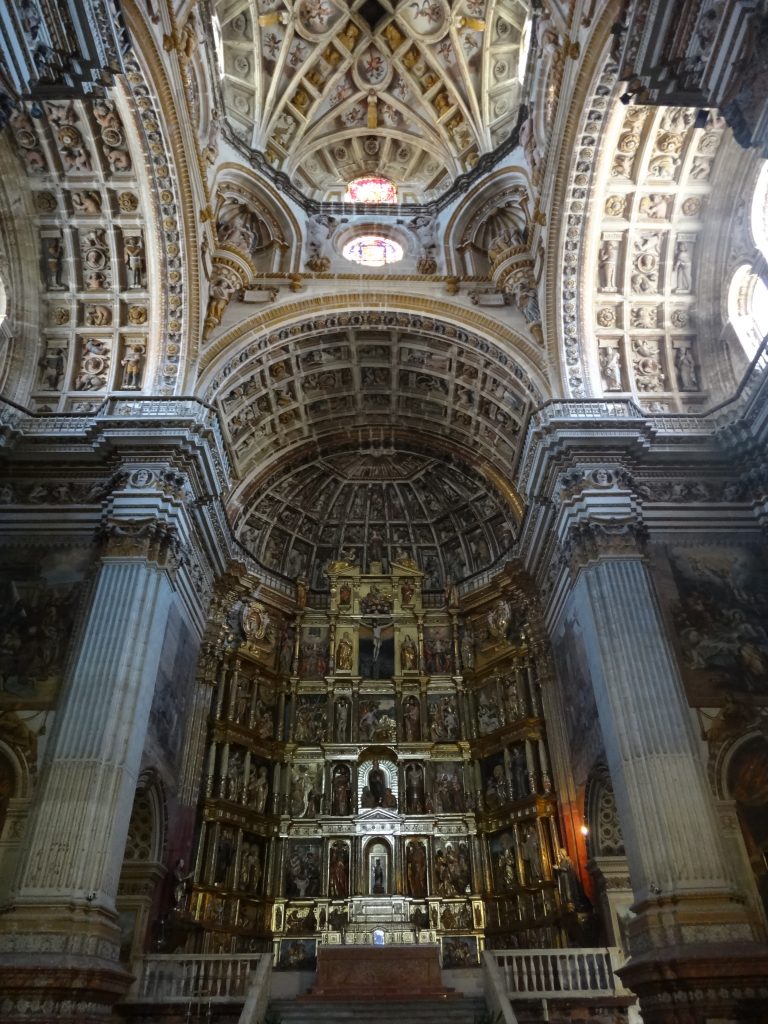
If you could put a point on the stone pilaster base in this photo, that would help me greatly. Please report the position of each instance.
(725, 983)
(59, 965)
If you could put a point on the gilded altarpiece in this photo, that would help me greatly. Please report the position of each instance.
(380, 767)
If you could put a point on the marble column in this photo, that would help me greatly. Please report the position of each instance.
(688, 907)
(63, 902)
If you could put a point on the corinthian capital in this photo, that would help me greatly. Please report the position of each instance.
(591, 541)
(148, 538)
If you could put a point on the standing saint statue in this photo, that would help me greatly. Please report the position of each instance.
(344, 653)
(408, 654)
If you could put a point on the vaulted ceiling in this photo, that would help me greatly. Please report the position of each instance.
(328, 91)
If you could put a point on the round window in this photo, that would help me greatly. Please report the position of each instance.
(372, 250)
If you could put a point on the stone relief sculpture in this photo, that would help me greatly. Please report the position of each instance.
(610, 367)
(52, 366)
(53, 256)
(319, 231)
(133, 364)
(686, 370)
(133, 256)
(607, 261)
(94, 365)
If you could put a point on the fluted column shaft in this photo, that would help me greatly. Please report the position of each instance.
(77, 834)
(667, 813)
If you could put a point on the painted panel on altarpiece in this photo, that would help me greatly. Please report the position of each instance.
(311, 718)
(451, 867)
(303, 862)
(460, 951)
(313, 652)
(438, 651)
(377, 722)
(377, 648)
(443, 719)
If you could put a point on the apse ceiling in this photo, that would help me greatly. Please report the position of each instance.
(329, 90)
(378, 505)
(388, 422)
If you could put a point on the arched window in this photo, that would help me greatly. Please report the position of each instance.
(748, 308)
(372, 250)
(371, 190)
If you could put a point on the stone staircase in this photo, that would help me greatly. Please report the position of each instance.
(417, 1011)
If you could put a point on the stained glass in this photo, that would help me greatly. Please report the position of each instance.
(370, 190)
(372, 250)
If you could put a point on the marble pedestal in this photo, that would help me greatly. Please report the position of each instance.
(379, 973)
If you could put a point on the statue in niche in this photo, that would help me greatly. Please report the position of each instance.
(341, 722)
(520, 782)
(345, 594)
(567, 880)
(52, 365)
(344, 651)
(514, 707)
(414, 789)
(54, 263)
(531, 851)
(132, 364)
(409, 654)
(416, 869)
(468, 650)
(686, 370)
(233, 785)
(407, 590)
(133, 254)
(497, 789)
(607, 260)
(241, 228)
(507, 864)
(225, 855)
(377, 877)
(258, 789)
(338, 871)
(181, 880)
(682, 267)
(412, 718)
(250, 867)
(377, 784)
(610, 367)
(341, 792)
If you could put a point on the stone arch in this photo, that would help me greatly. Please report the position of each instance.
(505, 196)
(147, 838)
(743, 777)
(17, 753)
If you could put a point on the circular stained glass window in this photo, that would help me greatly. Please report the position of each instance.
(372, 251)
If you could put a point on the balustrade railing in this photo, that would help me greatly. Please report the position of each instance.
(221, 978)
(552, 974)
